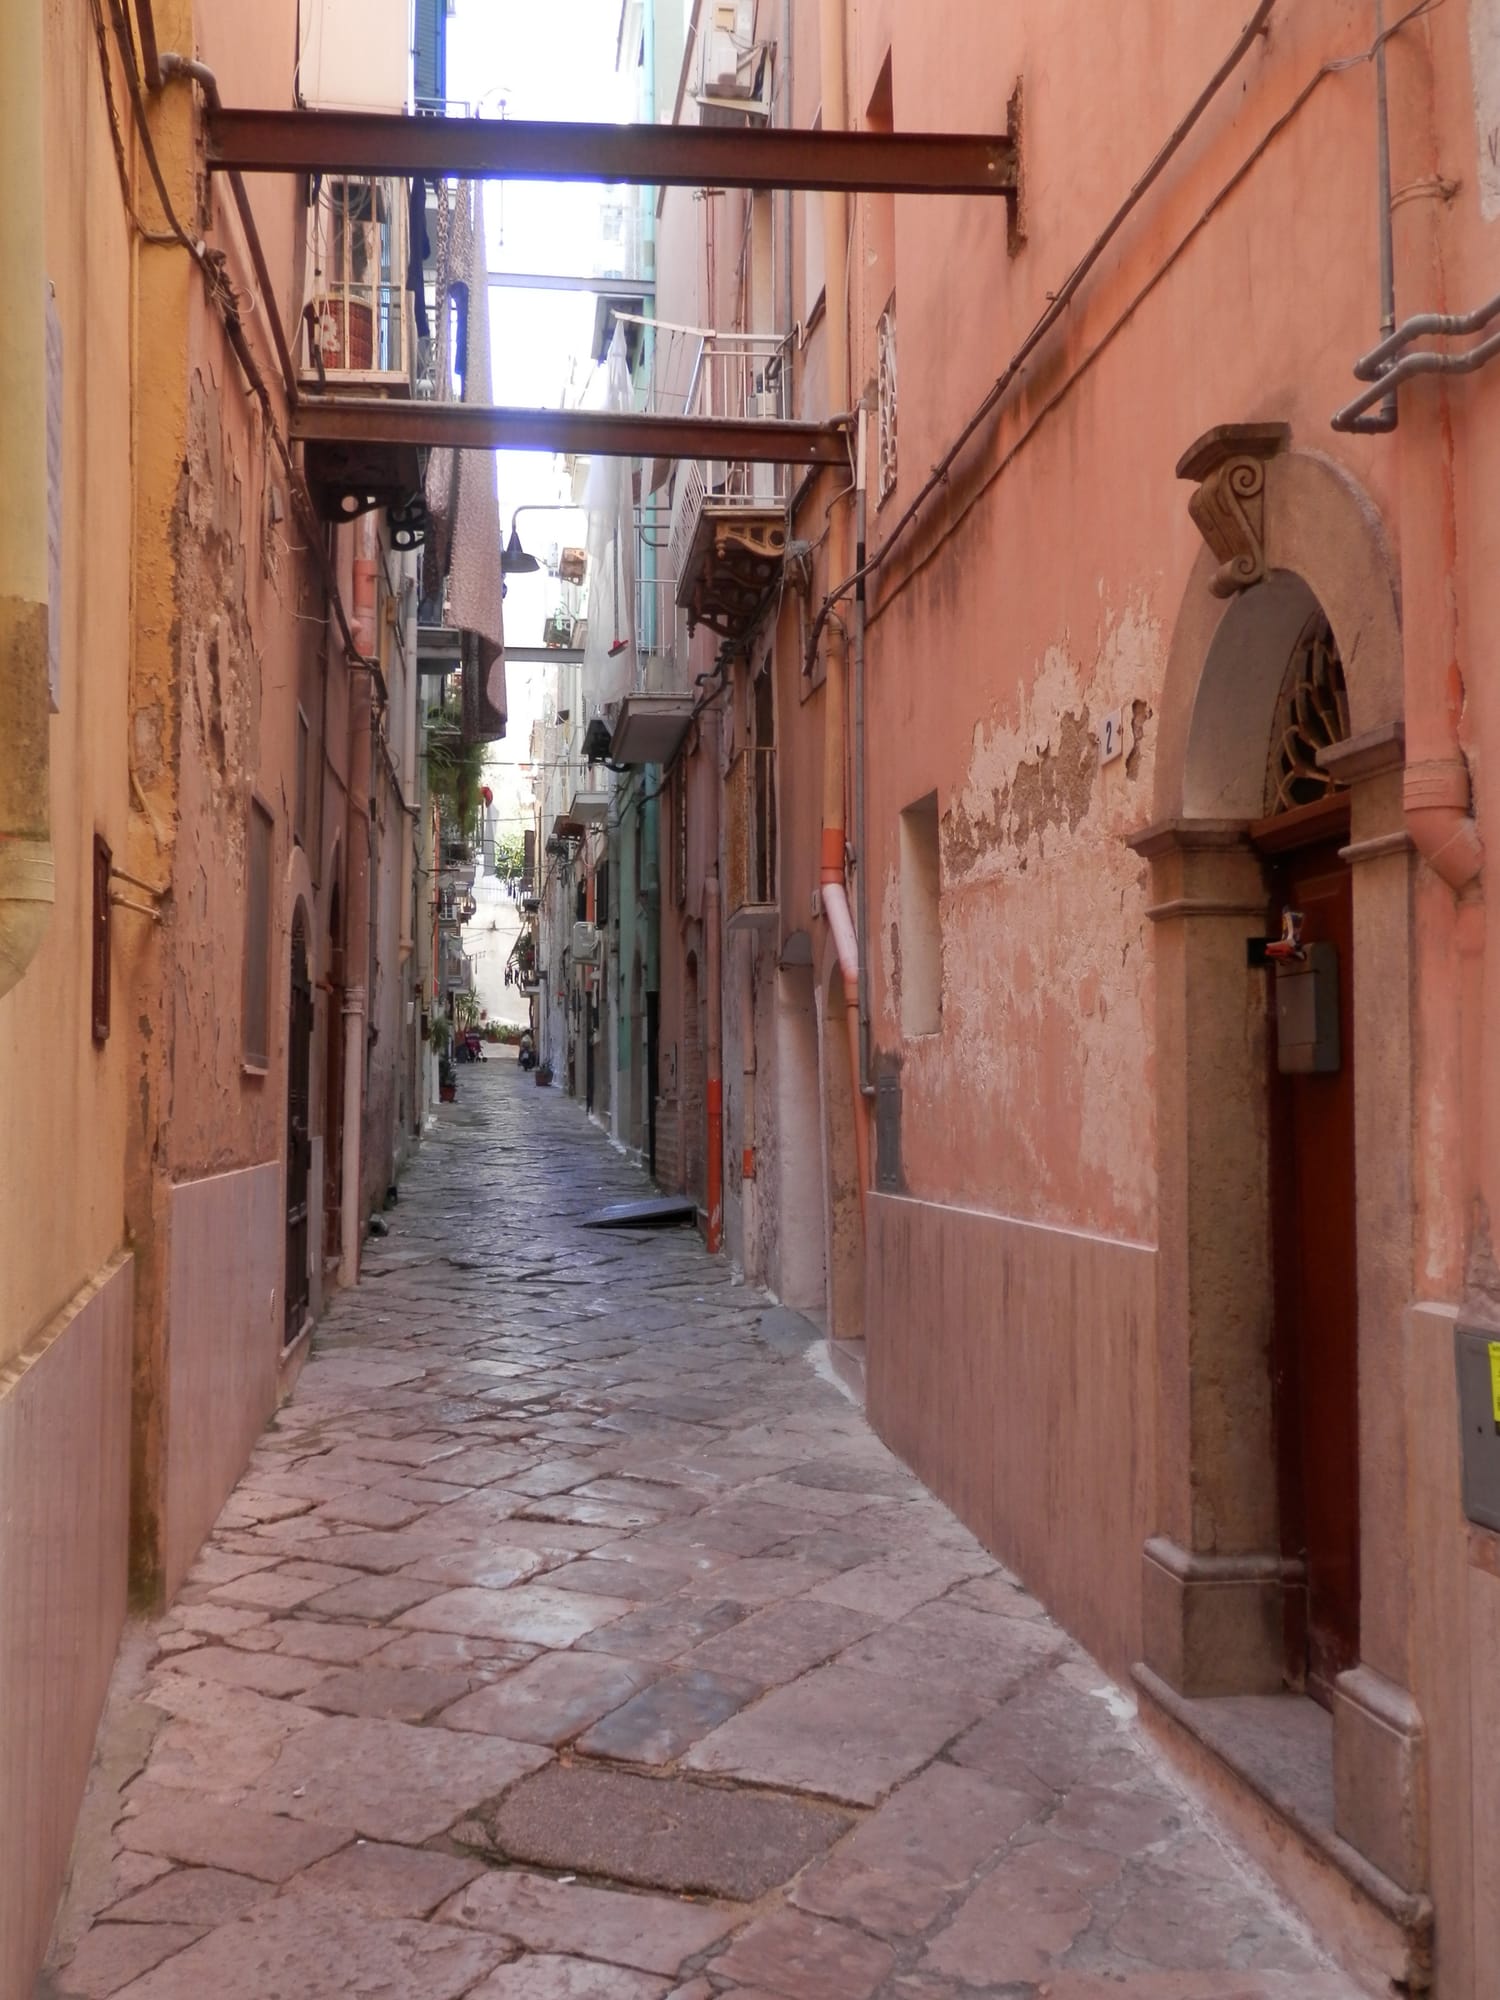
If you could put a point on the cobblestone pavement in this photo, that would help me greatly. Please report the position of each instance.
(570, 1637)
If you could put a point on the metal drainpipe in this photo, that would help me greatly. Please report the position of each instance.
(357, 919)
(748, 1160)
(784, 58)
(857, 641)
(410, 788)
(713, 1061)
(26, 866)
(832, 888)
(1437, 790)
(1388, 415)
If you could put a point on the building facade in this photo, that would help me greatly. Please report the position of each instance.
(1075, 988)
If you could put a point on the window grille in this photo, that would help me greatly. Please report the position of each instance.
(256, 1039)
(885, 344)
(1311, 715)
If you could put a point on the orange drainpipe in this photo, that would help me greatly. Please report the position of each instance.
(833, 890)
(713, 1059)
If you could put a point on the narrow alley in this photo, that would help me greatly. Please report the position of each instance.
(571, 1637)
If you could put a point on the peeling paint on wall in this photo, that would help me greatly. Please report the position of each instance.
(1035, 1099)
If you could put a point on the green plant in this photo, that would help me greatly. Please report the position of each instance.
(454, 772)
(510, 856)
(440, 1036)
(466, 1011)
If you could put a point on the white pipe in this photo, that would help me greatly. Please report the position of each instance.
(26, 867)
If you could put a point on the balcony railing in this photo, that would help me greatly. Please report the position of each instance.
(738, 376)
(358, 321)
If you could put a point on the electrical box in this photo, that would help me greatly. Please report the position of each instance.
(355, 55)
(727, 51)
(1307, 1013)
(1478, 1356)
(585, 944)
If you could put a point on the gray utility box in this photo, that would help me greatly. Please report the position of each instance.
(1307, 1013)
(1479, 1421)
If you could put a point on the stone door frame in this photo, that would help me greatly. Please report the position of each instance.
(1214, 1576)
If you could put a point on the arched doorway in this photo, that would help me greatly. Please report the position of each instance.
(333, 1080)
(298, 1281)
(1314, 1250)
(691, 1091)
(1229, 1567)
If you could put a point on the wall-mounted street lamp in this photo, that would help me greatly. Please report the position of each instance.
(515, 561)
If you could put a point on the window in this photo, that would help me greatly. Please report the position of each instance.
(921, 958)
(99, 985)
(259, 843)
(299, 818)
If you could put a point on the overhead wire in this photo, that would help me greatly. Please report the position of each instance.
(1059, 301)
(227, 303)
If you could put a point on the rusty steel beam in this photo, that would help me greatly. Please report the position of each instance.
(695, 156)
(588, 433)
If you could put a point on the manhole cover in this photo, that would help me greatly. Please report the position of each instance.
(662, 1833)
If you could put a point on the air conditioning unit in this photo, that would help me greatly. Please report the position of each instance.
(585, 944)
(729, 53)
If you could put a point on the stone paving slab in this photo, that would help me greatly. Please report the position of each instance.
(569, 1638)
(669, 1833)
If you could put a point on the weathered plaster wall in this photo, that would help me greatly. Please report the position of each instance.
(228, 645)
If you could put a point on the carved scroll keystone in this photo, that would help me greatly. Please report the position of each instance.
(1229, 509)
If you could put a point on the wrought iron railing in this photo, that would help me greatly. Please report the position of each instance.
(737, 375)
(358, 320)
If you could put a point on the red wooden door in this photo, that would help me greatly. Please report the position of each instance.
(1315, 1354)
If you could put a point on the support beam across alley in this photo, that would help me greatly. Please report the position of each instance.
(587, 433)
(693, 156)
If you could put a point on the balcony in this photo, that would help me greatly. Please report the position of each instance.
(358, 336)
(729, 519)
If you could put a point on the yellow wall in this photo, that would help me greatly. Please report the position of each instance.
(61, 1211)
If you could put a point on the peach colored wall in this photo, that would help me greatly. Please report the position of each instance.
(225, 1311)
(1040, 590)
(1042, 1444)
(64, 1486)
(230, 641)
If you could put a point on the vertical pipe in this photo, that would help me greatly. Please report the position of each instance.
(357, 920)
(25, 824)
(1386, 417)
(747, 1113)
(410, 789)
(864, 1084)
(713, 1043)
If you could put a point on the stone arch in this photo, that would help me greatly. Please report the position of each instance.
(1323, 537)
(1215, 1578)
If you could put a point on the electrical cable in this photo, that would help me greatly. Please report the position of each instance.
(1334, 67)
(226, 302)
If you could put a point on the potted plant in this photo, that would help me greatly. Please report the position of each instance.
(440, 1036)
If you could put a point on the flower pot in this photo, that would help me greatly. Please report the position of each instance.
(448, 1093)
